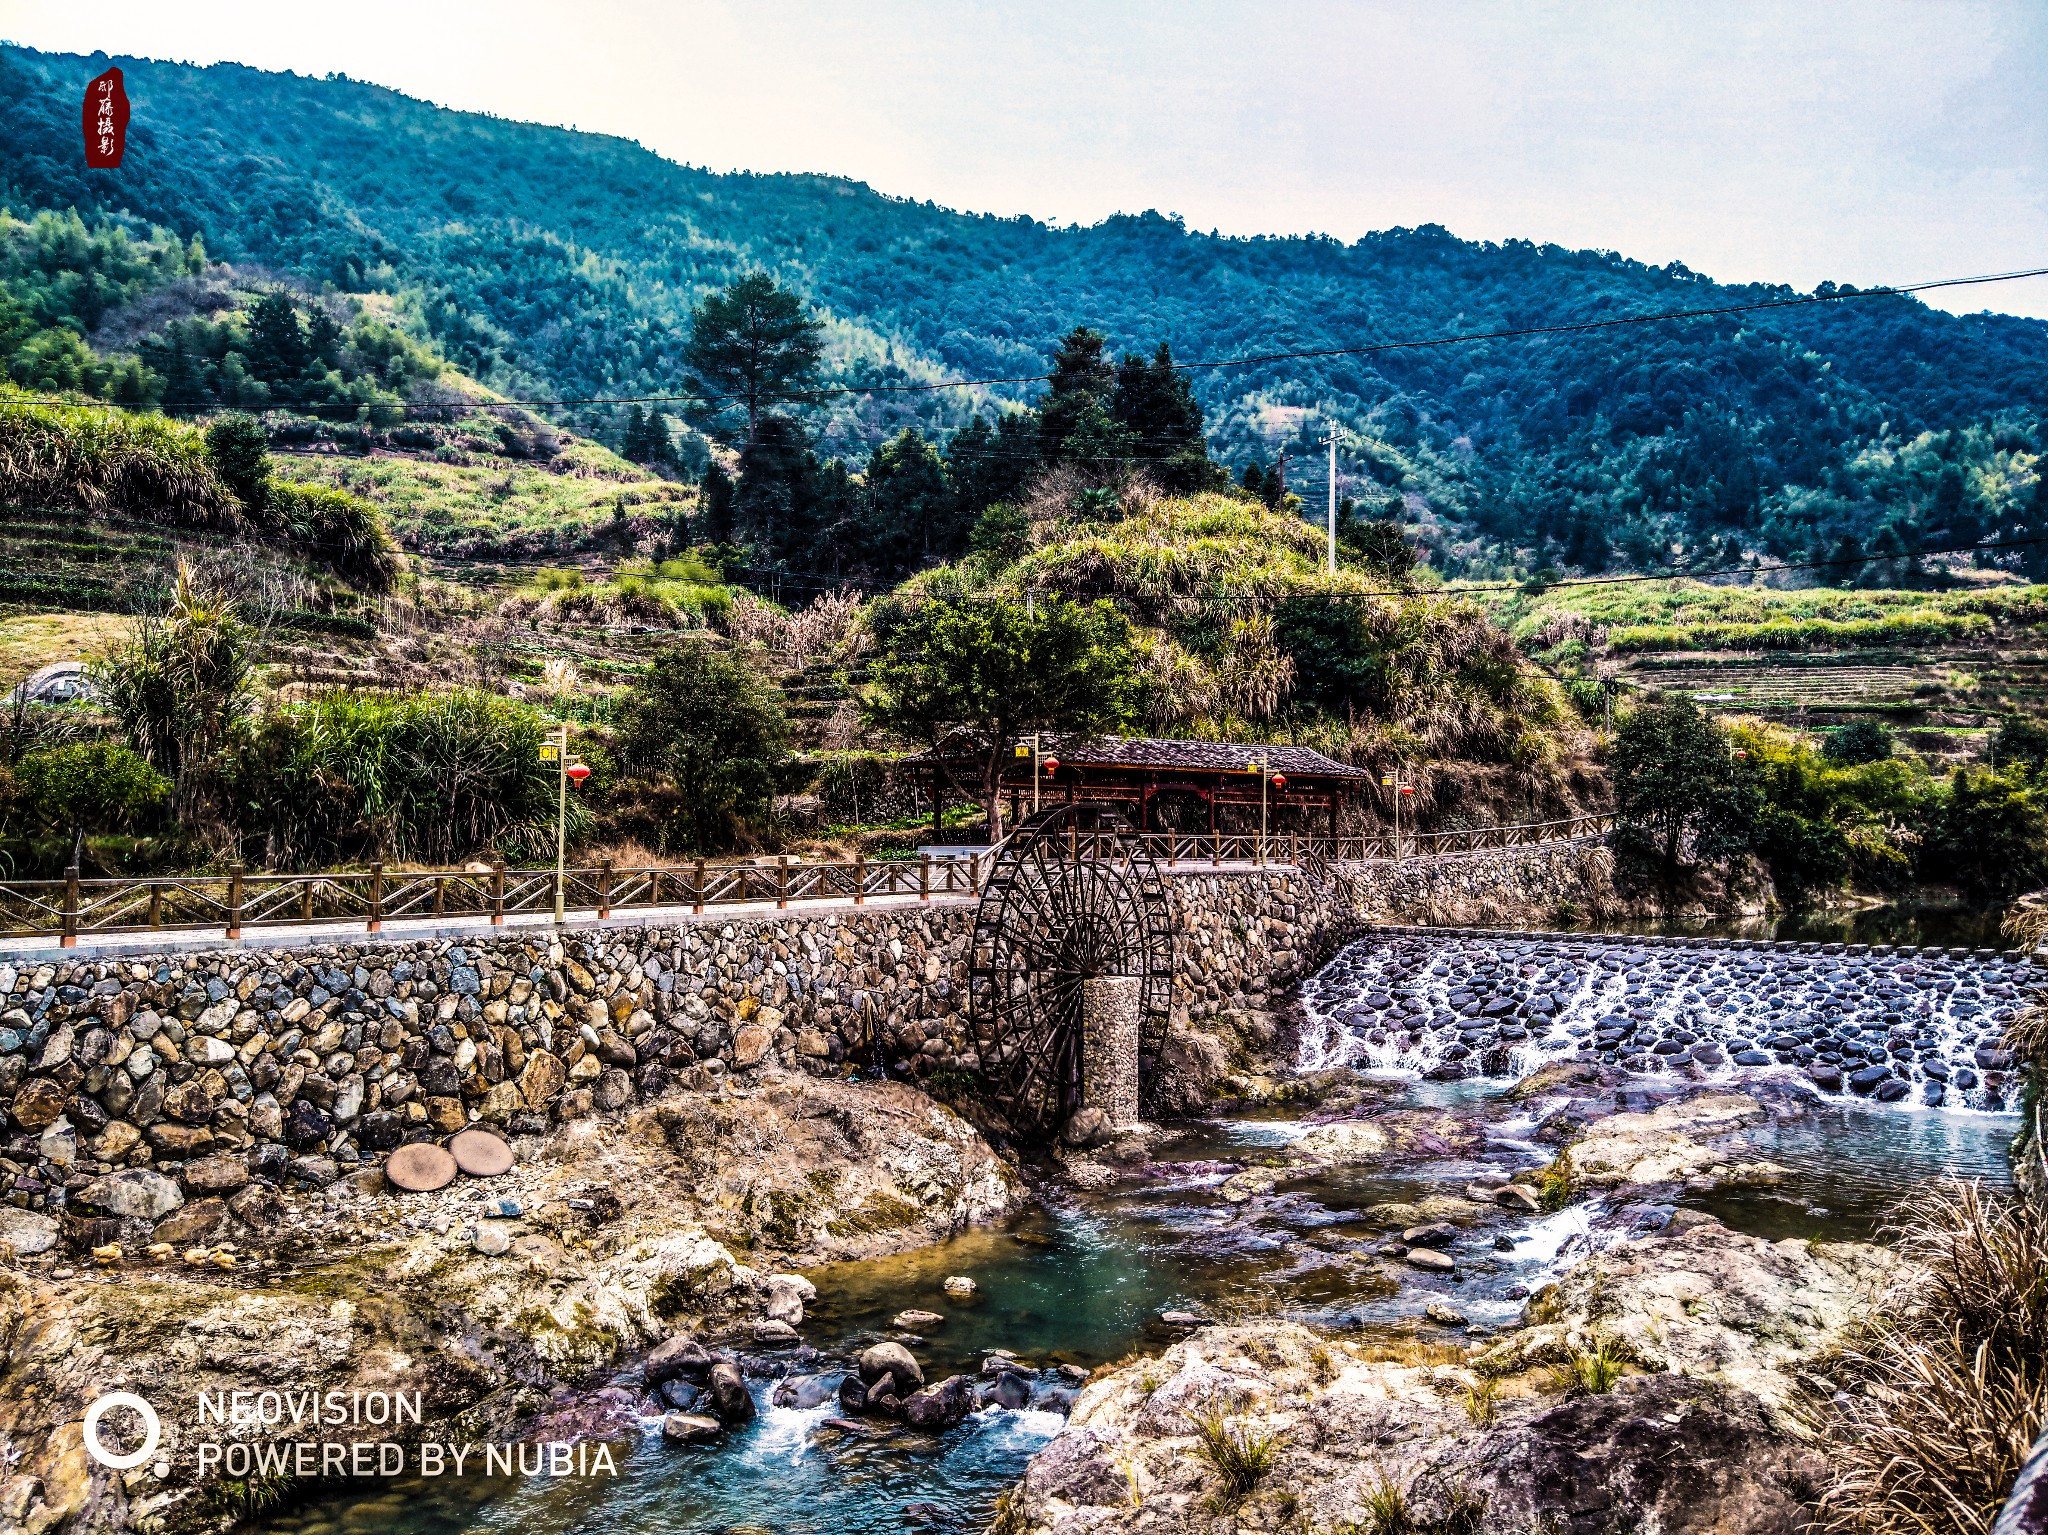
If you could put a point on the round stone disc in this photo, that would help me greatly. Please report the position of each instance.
(481, 1154)
(420, 1168)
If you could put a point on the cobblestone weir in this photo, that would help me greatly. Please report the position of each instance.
(221, 1072)
(1888, 1024)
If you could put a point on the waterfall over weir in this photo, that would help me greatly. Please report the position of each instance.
(1918, 1026)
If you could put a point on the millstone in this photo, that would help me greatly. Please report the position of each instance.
(480, 1154)
(420, 1168)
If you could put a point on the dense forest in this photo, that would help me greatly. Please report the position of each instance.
(551, 263)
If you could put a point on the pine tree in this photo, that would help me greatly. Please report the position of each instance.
(752, 345)
(277, 342)
(1154, 403)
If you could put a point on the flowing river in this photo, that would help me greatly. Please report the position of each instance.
(1084, 1281)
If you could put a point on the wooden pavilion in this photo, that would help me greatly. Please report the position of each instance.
(1141, 774)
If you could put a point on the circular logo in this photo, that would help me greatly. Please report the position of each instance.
(153, 1430)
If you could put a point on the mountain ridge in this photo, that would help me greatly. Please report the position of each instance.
(550, 261)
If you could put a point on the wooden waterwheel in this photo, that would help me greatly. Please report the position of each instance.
(1074, 896)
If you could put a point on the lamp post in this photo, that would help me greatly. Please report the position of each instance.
(1400, 783)
(557, 748)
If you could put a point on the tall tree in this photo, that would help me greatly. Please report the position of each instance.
(986, 465)
(752, 345)
(277, 342)
(775, 507)
(703, 719)
(1675, 777)
(1154, 403)
(991, 667)
(1074, 420)
(912, 508)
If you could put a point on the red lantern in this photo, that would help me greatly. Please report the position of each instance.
(1052, 764)
(578, 772)
(1407, 788)
(1279, 780)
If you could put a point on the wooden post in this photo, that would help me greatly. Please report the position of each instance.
(1294, 847)
(697, 887)
(235, 901)
(305, 901)
(497, 892)
(604, 890)
(860, 876)
(156, 905)
(1215, 849)
(654, 887)
(924, 876)
(70, 931)
(782, 882)
(376, 898)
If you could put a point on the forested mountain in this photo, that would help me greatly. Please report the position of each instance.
(554, 263)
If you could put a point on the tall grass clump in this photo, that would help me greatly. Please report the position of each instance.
(343, 532)
(431, 778)
(1240, 1455)
(1948, 1386)
(99, 460)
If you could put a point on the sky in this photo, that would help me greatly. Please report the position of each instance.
(1869, 143)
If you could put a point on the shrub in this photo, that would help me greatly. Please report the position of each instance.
(704, 721)
(343, 532)
(1990, 836)
(240, 454)
(92, 786)
(1861, 740)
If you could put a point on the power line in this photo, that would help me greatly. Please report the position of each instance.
(1366, 349)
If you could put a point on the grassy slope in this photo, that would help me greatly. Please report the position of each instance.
(479, 503)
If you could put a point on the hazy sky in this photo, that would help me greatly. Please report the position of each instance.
(1864, 142)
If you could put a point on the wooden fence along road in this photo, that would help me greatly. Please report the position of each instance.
(238, 900)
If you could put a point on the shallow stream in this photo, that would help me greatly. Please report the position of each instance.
(1085, 1282)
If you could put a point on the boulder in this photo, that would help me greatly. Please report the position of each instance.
(135, 1192)
(1429, 1260)
(787, 1294)
(941, 1406)
(917, 1321)
(894, 1363)
(681, 1356)
(27, 1232)
(776, 1334)
(1011, 1390)
(729, 1395)
(688, 1428)
(959, 1285)
(1088, 1127)
(198, 1222)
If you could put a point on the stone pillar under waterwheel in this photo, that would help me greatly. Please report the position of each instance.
(1110, 1007)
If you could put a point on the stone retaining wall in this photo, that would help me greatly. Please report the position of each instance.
(1510, 884)
(229, 1071)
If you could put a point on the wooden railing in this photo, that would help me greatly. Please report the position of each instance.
(239, 900)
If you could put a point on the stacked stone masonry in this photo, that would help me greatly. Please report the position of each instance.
(232, 1070)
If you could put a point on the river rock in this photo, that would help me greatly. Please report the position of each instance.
(1443, 1315)
(1011, 1390)
(729, 1395)
(688, 1428)
(941, 1406)
(1429, 1260)
(787, 1296)
(492, 1239)
(1088, 1127)
(917, 1321)
(1518, 1197)
(959, 1285)
(679, 1357)
(892, 1362)
(773, 1334)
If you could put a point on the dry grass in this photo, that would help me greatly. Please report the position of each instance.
(1242, 1456)
(30, 641)
(1947, 1390)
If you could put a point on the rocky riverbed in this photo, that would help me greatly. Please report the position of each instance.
(501, 1306)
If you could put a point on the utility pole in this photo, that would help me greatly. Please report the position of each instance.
(1333, 498)
(1280, 470)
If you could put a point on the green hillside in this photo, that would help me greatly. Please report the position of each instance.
(554, 263)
